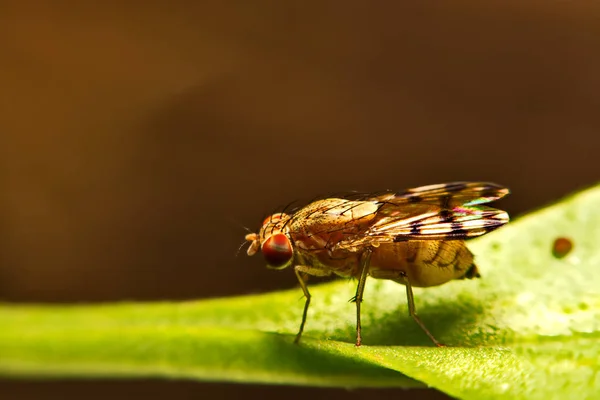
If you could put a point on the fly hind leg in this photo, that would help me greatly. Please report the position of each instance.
(412, 312)
(400, 277)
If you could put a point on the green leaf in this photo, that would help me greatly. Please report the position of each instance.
(530, 328)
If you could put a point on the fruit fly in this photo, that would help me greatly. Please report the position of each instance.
(415, 237)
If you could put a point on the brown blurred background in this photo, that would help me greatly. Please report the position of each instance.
(137, 139)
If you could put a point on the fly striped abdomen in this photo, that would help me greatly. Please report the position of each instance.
(424, 263)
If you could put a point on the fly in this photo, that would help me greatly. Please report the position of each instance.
(415, 237)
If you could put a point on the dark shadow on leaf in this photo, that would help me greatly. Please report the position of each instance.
(452, 322)
(327, 361)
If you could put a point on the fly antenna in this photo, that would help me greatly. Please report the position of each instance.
(238, 223)
(237, 253)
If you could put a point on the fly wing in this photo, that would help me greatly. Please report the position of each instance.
(460, 223)
(447, 195)
(450, 211)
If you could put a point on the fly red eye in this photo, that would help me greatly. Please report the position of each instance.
(277, 250)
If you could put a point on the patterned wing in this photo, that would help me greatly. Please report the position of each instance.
(447, 195)
(450, 211)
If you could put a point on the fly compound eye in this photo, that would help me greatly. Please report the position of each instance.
(277, 251)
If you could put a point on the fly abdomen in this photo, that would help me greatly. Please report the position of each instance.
(440, 261)
(425, 263)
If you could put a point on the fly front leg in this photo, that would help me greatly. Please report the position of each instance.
(365, 260)
(301, 273)
(412, 312)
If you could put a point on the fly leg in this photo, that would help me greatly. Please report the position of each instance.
(412, 312)
(304, 287)
(365, 260)
(301, 273)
